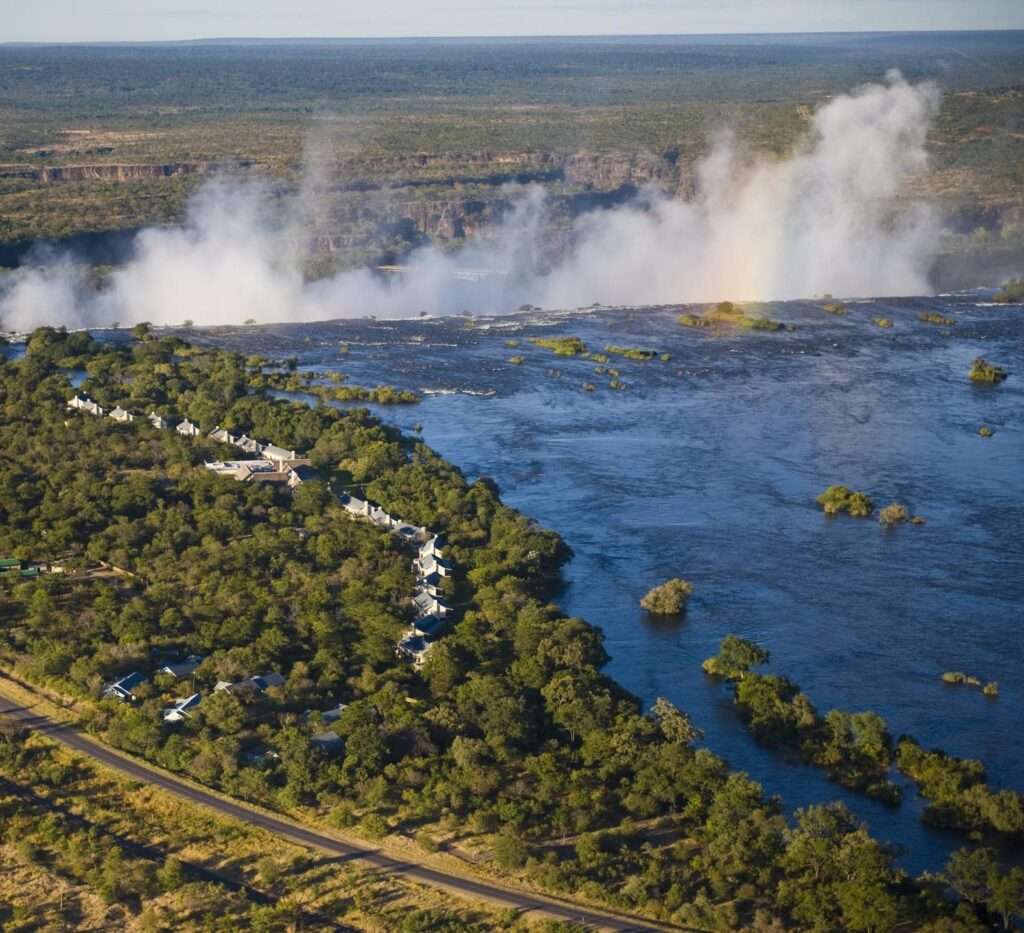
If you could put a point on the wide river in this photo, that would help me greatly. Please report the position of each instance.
(707, 466)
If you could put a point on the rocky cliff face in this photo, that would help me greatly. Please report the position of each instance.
(115, 172)
(458, 195)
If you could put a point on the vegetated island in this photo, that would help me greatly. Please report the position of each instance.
(856, 749)
(561, 346)
(838, 499)
(1011, 293)
(836, 308)
(896, 513)
(983, 371)
(726, 314)
(959, 678)
(254, 634)
(635, 353)
(669, 598)
(933, 317)
(327, 386)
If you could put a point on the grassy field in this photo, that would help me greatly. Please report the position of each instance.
(84, 849)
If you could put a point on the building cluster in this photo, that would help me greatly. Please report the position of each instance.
(11, 567)
(274, 464)
(270, 463)
(183, 707)
(432, 613)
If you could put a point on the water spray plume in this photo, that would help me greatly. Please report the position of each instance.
(827, 218)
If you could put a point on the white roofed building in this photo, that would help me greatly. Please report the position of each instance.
(187, 429)
(433, 547)
(182, 708)
(186, 668)
(429, 566)
(247, 444)
(120, 414)
(87, 405)
(415, 647)
(354, 505)
(254, 471)
(427, 604)
(378, 516)
(278, 454)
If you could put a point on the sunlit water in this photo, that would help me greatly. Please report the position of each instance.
(707, 467)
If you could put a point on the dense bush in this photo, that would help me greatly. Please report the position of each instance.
(984, 371)
(959, 797)
(837, 499)
(669, 598)
(894, 514)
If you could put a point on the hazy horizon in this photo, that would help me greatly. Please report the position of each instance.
(320, 20)
(299, 40)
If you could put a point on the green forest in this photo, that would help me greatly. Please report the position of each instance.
(510, 732)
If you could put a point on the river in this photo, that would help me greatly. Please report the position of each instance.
(706, 467)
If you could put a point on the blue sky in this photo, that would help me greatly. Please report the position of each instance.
(77, 20)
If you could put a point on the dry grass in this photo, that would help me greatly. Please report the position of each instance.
(309, 883)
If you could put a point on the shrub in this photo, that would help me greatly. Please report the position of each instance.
(668, 599)
(984, 371)
(933, 317)
(882, 321)
(985, 431)
(835, 307)
(509, 850)
(735, 657)
(171, 875)
(516, 360)
(692, 320)
(269, 870)
(28, 851)
(894, 514)
(375, 826)
(425, 841)
(991, 689)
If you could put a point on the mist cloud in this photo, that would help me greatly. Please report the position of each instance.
(826, 219)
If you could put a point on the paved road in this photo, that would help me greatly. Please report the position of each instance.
(507, 897)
